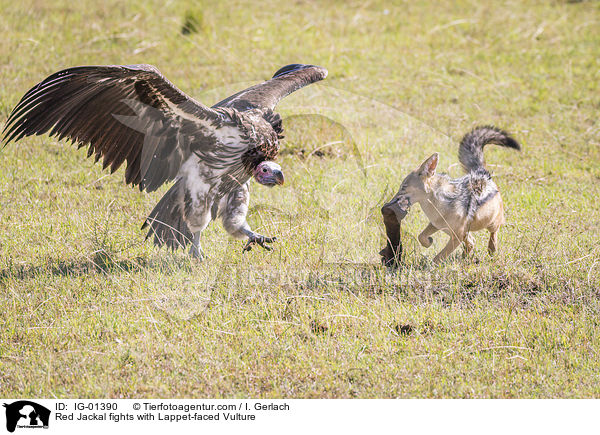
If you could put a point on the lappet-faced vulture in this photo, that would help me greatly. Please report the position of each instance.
(133, 114)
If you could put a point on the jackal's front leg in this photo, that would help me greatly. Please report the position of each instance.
(425, 236)
(452, 244)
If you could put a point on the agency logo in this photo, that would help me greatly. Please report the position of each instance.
(26, 414)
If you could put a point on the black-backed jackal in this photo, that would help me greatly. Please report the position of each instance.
(456, 206)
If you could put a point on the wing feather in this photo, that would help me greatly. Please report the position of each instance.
(286, 80)
(83, 104)
(132, 114)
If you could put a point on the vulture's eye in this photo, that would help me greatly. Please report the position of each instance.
(264, 170)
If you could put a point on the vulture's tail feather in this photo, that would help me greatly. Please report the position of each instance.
(166, 220)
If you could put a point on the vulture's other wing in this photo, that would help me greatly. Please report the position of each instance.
(122, 113)
(286, 80)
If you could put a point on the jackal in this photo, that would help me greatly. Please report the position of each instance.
(457, 206)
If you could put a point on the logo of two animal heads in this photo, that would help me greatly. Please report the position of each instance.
(26, 414)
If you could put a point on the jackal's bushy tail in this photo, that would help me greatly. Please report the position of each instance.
(470, 151)
(166, 220)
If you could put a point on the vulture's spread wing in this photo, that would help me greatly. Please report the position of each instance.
(288, 79)
(122, 113)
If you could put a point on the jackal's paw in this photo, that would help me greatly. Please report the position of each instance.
(426, 242)
(257, 239)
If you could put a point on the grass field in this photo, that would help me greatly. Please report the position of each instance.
(90, 309)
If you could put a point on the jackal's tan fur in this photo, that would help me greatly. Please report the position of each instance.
(463, 205)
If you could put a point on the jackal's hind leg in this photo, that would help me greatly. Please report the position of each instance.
(493, 243)
(469, 244)
(425, 238)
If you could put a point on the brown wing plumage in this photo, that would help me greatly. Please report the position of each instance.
(133, 114)
(112, 110)
(286, 80)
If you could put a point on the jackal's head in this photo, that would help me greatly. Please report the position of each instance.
(415, 186)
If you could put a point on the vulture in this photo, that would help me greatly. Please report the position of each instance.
(133, 114)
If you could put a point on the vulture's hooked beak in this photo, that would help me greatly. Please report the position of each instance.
(279, 178)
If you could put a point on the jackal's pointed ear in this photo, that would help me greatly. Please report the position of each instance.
(427, 168)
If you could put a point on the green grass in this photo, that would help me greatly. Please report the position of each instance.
(89, 309)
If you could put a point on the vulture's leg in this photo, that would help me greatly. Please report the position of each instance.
(233, 210)
(195, 250)
(197, 215)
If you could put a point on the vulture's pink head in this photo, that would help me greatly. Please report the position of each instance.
(268, 173)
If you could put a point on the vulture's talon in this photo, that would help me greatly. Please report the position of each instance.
(261, 241)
